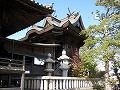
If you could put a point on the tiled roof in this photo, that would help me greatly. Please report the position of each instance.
(74, 21)
(19, 14)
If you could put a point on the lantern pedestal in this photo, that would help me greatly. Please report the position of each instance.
(64, 70)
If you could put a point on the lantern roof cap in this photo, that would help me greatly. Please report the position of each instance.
(64, 56)
(49, 59)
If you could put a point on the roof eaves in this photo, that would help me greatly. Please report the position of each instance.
(81, 23)
(36, 31)
(68, 24)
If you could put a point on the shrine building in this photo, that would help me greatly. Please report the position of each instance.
(26, 57)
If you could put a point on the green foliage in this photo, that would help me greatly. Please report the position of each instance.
(103, 40)
(106, 3)
(115, 42)
(87, 56)
(117, 35)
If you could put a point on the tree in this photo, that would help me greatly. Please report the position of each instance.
(103, 40)
(77, 67)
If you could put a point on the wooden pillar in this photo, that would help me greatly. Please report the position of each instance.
(23, 74)
(9, 80)
(32, 64)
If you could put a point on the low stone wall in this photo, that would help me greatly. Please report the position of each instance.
(62, 83)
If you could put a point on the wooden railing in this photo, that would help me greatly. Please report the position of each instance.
(62, 83)
(11, 62)
(10, 89)
(11, 65)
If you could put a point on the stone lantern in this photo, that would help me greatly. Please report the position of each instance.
(49, 61)
(64, 63)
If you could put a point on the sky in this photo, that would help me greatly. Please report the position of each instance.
(84, 7)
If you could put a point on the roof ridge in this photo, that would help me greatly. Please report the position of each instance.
(70, 16)
(49, 6)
